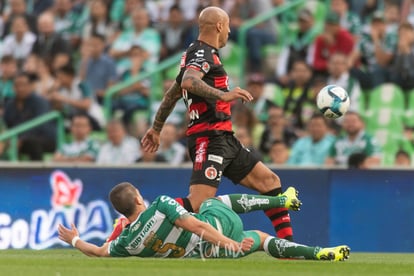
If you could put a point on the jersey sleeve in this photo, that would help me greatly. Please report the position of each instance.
(171, 208)
(200, 59)
(116, 248)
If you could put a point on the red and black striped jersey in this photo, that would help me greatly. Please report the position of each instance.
(205, 114)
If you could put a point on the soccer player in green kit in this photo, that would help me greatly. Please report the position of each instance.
(166, 229)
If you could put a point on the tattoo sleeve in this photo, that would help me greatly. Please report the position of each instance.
(197, 86)
(171, 97)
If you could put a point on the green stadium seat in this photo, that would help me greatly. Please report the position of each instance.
(387, 95)
(409, 111)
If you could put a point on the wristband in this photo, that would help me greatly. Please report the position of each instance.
(74, 240)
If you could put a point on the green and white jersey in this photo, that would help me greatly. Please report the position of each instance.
(87, 147)
(342, 148)
(352, 23)
(153, 233)
(367, 48)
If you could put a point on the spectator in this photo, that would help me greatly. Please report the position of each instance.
(71, 95)
(67, 22)
(392, 15)
(151, 157)
(245, 137)
(261, 99)
(99, 23)
(98, 70)
(333, 39)
(402, 65)
(172, 151)
(147, 37)
(82, 148)
(358, 160)
(19, 8)
(25, 106)
(313, 149)
(40, 6)
(120, 149)
(37, 67)
(339, 74)
(348, 20)
(243, 116)
(172, 33)
(375, 50)
(298, 95)
(50, 44)
(355, 139)
(276, 129)
(402, 159)
(298, 48)
(257, 36)
(121, 10)
(135, 96)
(279, 153)
(20, 41)
(8, 70)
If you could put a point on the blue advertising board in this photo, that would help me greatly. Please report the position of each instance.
(364, 209)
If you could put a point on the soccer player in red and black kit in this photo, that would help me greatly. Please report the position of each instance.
(203, 84)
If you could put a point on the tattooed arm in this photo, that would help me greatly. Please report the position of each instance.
(151, 140)
(171, 97)
(193, 83)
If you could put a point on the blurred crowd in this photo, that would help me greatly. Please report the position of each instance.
(64, 54)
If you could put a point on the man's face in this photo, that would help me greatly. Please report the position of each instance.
(140, 19)
(22, 87)
(80, 128)
(317, 128)
(115, 133)
(224, 29)
(352, 124)
(337, 65)
(8, 69)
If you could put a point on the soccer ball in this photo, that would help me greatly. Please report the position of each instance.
(332, 101)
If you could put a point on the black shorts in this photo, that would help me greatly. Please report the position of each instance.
(216, 155)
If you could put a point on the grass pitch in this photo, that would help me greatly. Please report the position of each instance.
(62, 262)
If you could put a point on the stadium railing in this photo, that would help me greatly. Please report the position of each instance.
(13, 133)
(152, 74)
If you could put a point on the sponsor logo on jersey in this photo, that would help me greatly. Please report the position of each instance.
(141, 235)
(201, 151)
(215, 158)
(211, 173)
(205, 67)
(199, 53)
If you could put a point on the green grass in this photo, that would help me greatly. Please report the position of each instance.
(59, 262)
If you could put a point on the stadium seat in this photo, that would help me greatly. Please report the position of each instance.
(386, 109)
(387, 95)
(409, 111)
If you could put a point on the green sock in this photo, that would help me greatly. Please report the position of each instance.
(243, 203)
(280, 248)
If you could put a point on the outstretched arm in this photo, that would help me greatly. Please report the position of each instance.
(151, 140)
(192, 82)
(210, 234)
(71, 236)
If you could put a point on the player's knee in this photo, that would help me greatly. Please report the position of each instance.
(262, 236)
(269, 182)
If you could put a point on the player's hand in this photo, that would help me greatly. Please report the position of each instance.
(237, 93)
(151, 141)
(246, 244)
(66, 234)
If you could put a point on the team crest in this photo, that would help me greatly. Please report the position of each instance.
(206, 67)
(211, 173)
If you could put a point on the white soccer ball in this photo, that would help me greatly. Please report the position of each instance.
(332, 101)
